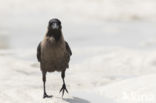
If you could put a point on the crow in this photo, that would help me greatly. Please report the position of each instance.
(54, 53)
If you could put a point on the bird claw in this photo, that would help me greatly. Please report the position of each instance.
(47, 96)
(63, 89)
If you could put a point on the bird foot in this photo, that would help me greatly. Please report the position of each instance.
(63, 89)
(47, 96)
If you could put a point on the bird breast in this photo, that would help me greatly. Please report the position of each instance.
(53, 50)
(53, 54)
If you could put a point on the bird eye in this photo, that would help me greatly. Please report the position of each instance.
(59, 23)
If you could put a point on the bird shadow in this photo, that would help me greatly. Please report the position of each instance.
(76, 100)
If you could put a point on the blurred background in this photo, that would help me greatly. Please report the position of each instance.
(128, 23)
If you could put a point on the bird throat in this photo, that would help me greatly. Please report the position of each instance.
(54, 33)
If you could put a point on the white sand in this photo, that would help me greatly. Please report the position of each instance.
(89, 73)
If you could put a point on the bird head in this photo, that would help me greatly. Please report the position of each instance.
(54, 28)
(55, 24)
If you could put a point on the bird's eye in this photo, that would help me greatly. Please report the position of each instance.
(59, 23)
(51, 24)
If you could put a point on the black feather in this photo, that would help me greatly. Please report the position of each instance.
(39, 52)
(68, 48)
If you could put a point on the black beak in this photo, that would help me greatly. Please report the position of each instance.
(55, 26)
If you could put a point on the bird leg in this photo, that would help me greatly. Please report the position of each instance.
(64, 85)
(44, 88)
